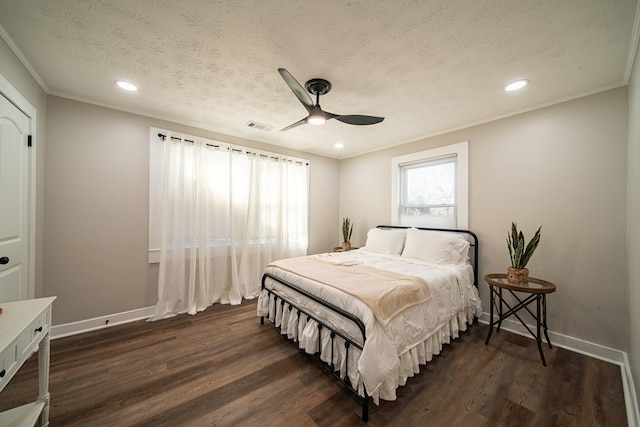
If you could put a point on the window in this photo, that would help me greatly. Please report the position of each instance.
(219, 214)
(248, 197)
(430, 188)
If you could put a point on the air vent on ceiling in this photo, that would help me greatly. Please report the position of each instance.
(259, 126)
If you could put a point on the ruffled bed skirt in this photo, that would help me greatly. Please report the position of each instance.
(298, 328)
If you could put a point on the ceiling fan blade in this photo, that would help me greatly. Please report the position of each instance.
(297, 88)
(356, 119)
(298, 123)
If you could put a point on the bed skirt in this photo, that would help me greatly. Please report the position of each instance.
(304, 331)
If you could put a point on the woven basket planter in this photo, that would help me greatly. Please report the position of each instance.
(517, 275)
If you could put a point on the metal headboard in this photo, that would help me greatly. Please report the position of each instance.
(469, 235)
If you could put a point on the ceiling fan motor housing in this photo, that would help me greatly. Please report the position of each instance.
(317, 86)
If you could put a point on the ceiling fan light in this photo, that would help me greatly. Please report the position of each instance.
(316, 120)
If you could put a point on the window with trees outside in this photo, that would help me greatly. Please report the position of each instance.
(430, 188)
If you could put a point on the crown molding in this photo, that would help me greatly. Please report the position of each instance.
(16, 50)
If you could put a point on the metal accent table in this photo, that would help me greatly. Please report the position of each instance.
(537, 291)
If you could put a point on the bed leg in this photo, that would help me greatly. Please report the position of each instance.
(262, 320)
(365, 408)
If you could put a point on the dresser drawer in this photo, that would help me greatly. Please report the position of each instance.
(33, 334)
(8, 364)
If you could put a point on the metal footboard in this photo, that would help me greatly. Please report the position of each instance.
(348, 342)
(471, 237)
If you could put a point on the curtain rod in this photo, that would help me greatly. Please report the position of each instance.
(235, 150)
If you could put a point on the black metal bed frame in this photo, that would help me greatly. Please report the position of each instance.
(348, 342)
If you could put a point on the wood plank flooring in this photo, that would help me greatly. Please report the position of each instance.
(222, 368)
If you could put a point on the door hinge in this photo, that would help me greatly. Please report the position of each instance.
(29, 143)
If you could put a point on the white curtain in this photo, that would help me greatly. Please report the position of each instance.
(226, 213)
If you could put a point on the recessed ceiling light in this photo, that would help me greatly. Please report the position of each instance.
(339, 145)
(519, 84)
(127, 86)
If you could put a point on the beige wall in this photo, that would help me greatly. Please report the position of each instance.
(96, 208)
(16, 74)
(563, 167)
(633, 218)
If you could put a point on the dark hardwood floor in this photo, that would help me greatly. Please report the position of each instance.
(221, 367)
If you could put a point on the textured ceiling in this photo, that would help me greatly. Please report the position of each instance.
(426, 66)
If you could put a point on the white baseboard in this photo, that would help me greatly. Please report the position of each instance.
(630, 397)
(590, 349)
(102, 322)
(570, 343)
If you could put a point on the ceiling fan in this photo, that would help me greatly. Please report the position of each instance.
(316, 115)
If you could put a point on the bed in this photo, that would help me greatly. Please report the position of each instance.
(375, 314)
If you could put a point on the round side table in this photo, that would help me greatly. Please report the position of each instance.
(535, 290)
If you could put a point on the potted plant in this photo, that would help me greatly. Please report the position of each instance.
(347, 229)
(520, 253)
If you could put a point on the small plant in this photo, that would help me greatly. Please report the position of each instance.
(518, 252)
(347, 229)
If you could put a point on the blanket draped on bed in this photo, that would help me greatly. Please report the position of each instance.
(385, 292)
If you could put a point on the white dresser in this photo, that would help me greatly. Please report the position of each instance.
(24, 328)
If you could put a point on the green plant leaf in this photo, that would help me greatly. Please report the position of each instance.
(519, 252)
(347, 229)
(531, 247)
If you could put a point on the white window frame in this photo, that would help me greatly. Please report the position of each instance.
(461, 151)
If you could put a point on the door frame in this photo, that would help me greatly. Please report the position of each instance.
(11, 93)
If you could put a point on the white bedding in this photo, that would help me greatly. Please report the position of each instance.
(392, 354)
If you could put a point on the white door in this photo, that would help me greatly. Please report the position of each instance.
(14, 208)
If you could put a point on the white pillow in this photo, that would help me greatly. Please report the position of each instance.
(439, 247)
(386, 241)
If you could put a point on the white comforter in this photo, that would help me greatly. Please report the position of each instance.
(392, 354)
